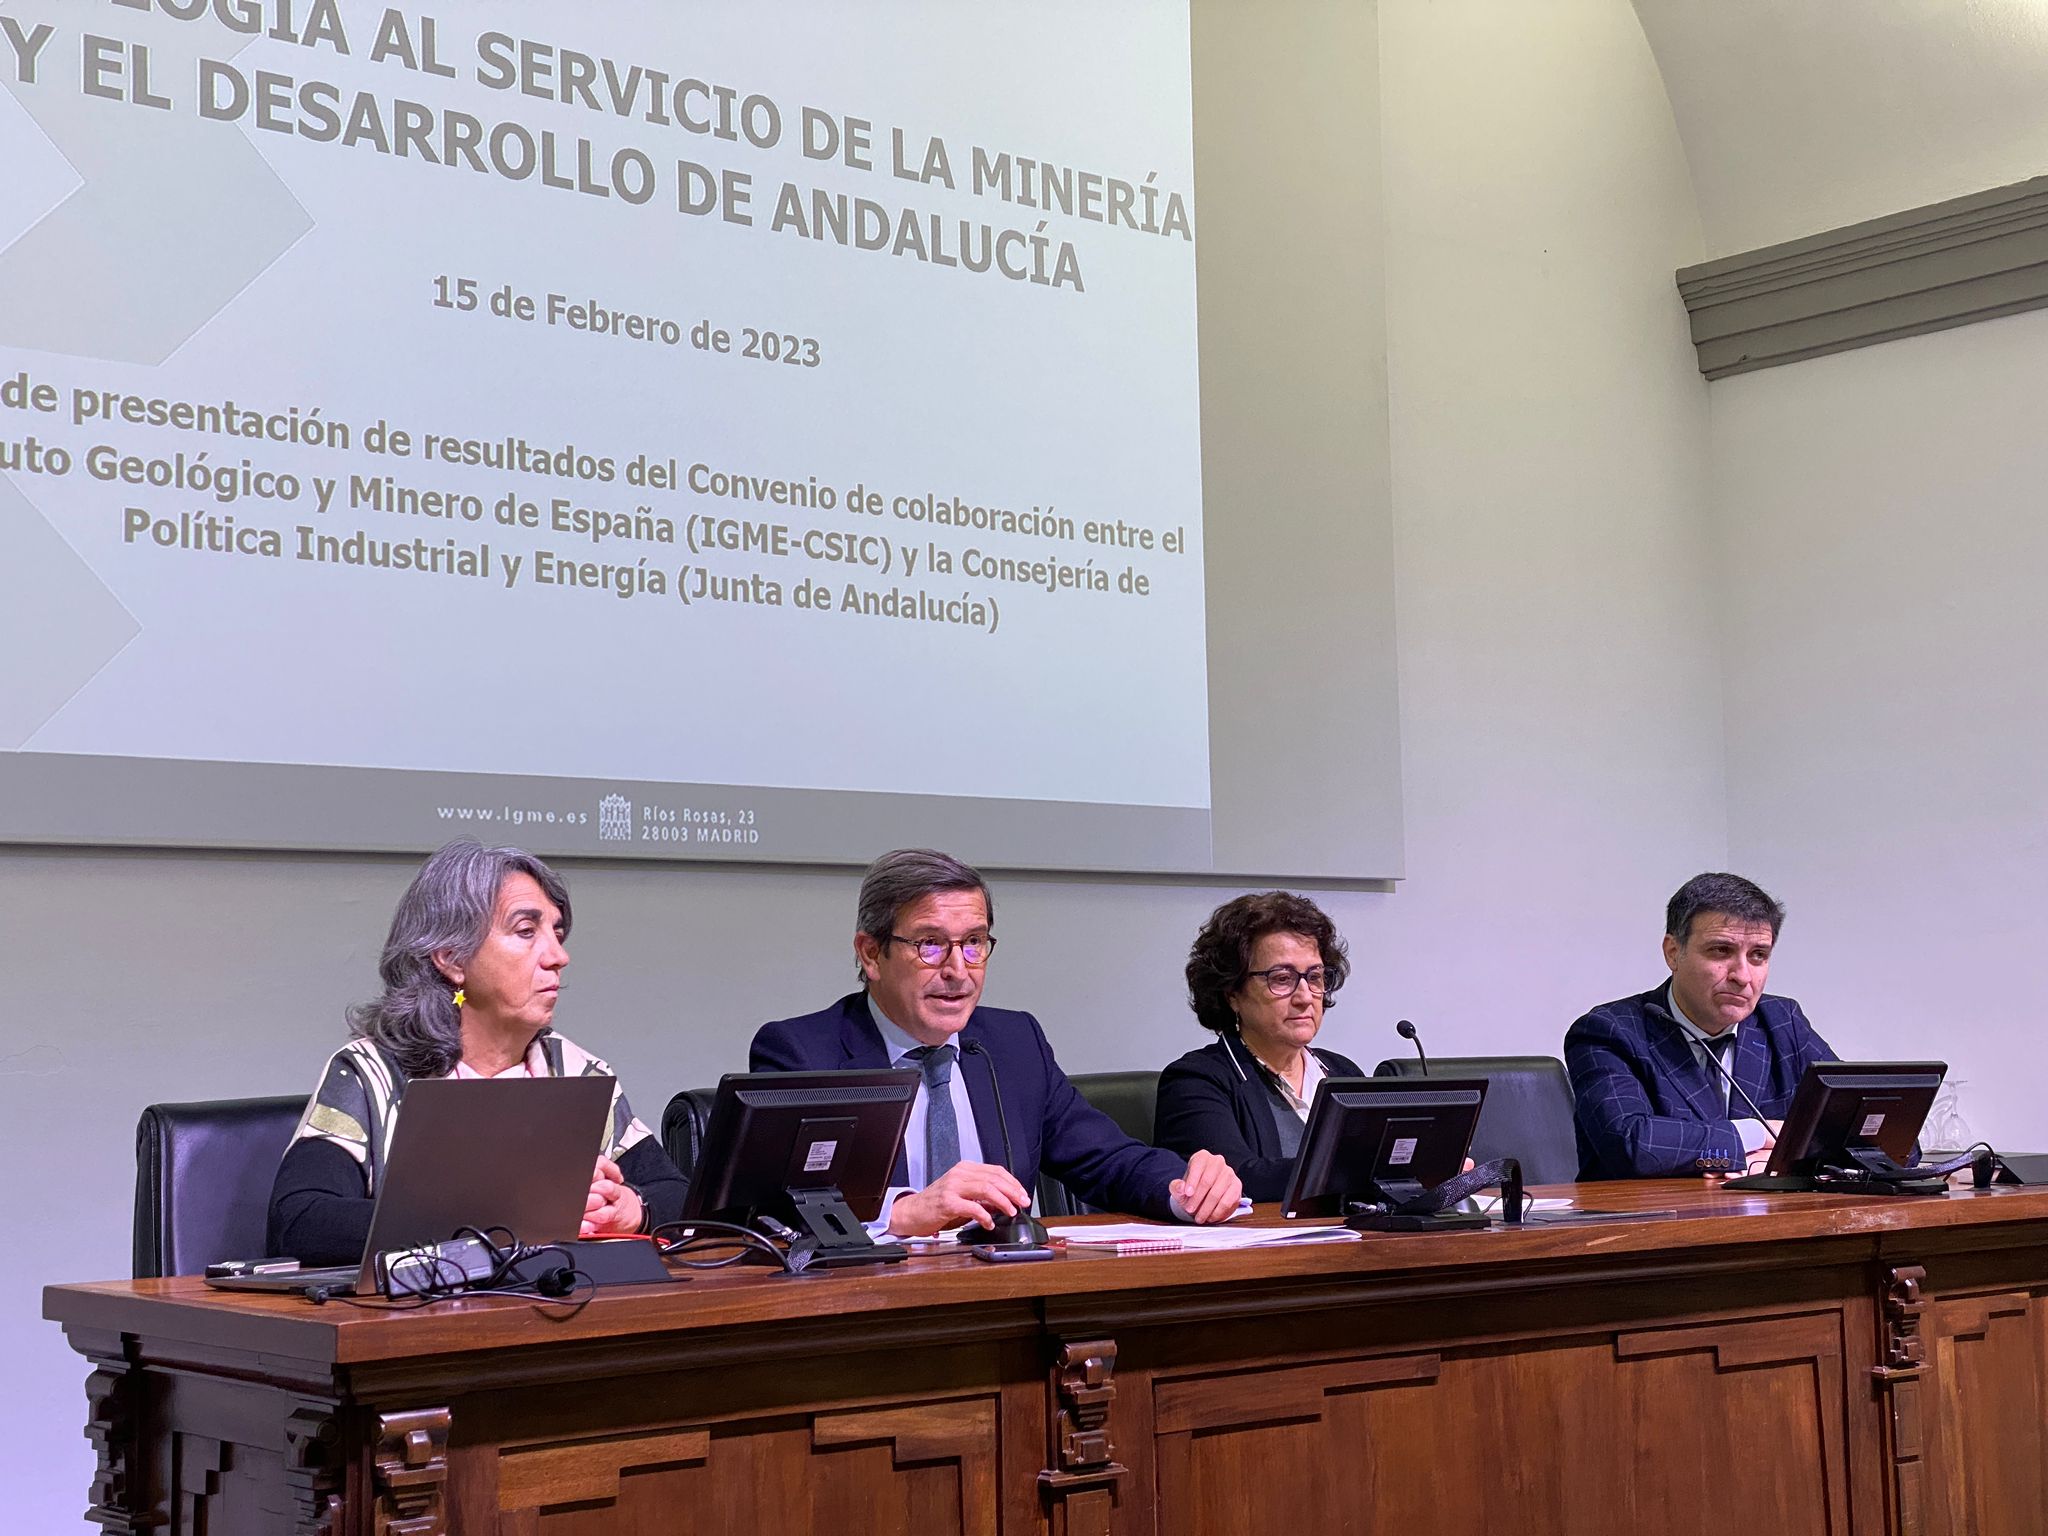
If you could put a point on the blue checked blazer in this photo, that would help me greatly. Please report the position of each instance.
(1645, 1106)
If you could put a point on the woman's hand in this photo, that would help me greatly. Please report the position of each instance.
(614, 1205)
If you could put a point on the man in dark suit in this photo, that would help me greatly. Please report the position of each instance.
(1693, 1076)
(922, 949)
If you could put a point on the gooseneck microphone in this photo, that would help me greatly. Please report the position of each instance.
(1023, 1227)
(976, 1048)
(1413, 1036)
(1714, 1058)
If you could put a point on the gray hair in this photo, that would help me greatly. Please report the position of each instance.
(448, 906)
(903, 876)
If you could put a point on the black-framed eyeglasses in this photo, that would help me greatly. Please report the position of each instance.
(1281, 980)
(974, 949)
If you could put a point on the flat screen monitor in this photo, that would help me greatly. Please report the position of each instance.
(1382, 1141)
(1848, 1114)
(812, 1148)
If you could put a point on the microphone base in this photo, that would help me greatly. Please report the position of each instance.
(1441, 1221)
(1807, 1184)
(1017, 1229)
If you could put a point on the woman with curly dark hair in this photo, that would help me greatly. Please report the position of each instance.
(1262, 970)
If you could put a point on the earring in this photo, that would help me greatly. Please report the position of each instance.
(460, 998)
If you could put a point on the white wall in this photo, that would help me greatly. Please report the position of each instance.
(1878, 538)
(1559, 680)
(1804, 115)
(1561, 724)
(1883, 552)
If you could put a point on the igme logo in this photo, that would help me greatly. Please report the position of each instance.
(615, 819)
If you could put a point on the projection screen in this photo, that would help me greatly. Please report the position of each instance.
(708, 431)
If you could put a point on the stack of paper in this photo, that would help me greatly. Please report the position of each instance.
(1159, 1237)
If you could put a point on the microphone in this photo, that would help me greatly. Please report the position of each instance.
(1023, 1227)
(1714, 1058)
(1413, 1035)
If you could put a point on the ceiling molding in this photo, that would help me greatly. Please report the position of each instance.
(1927, 269)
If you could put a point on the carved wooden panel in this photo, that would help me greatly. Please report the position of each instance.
(963, 1435)
(313, 1470)
(1748, 1418)
(198, 1465)
(1081, 1484)
(1734, 1425)
(222, 1488)
(926, 1468)
(112, 1412)
(1282, 1449)
(1899, 1377)
(411, 1466)
(1241, 1398)
(1986, 1414)
(589, 1471)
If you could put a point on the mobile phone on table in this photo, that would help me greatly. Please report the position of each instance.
(236, 1269)
(1011, 1253)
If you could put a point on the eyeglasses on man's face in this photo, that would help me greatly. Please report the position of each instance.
(1281, 980)
(932, 951)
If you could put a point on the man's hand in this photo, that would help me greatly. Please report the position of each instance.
(978, 1192)
(614, 1205)
(1209, 1192)
(1760, 1158)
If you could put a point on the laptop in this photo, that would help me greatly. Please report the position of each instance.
(511, 1152)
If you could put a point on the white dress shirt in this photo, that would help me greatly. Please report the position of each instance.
(1311, 1073)
(899, 1044)
(1754, 1133)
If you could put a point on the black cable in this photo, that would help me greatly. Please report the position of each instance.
(792, 1260)
(450, 1281)
(424, 1295)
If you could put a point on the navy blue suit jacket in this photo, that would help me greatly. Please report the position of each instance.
(1215, 1099)
(1051, 1125)
(1645, 1106)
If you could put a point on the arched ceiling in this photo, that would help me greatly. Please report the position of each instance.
(1799, 116)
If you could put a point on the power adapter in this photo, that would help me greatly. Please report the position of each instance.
(435, 1268)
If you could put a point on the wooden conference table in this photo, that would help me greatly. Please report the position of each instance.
(1762, 1364)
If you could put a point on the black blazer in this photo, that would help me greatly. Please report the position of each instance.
(1214, 1098)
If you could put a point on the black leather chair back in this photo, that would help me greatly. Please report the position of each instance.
(1528, 1110)
(682, 1127)
(203, 1174)
(1131, 1099)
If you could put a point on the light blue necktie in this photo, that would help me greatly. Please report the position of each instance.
(941, 1127)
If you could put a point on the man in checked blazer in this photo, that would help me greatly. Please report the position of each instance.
(1695, 1075)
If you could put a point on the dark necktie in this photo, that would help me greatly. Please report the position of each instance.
(941, 1126)
(1723, 1047)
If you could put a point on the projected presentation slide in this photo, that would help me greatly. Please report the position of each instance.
(714, 429)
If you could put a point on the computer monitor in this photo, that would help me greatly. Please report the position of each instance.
(811, 1149)
(1382, 1141)
(1852, 1124)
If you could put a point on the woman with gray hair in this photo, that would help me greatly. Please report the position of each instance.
(472, 968)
